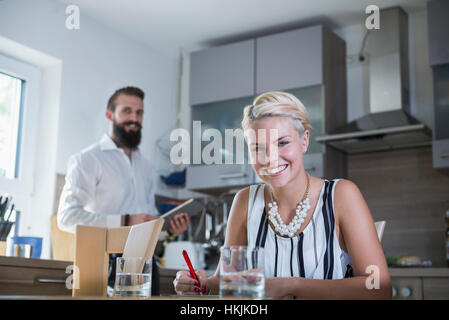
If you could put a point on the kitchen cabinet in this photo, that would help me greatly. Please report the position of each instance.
(438, 34)
(407, 288)
(436, 288)
(22, 276)
(222, 73)
(288, 60)
(440, 144)
(222, 116)
(313, 56)
(438, 31)
(440, 150)
(218, 178)
(441, 100)
(420, 283)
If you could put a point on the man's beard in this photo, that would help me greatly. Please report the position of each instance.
(129, 139)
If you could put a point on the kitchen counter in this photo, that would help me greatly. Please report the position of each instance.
(33, 263)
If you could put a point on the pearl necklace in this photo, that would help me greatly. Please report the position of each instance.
(294, 225)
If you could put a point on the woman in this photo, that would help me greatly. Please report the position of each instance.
(332, 235)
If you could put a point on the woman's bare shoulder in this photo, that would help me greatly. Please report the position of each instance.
(237, 228)
(346, 189)
(243, 193)
(348, 199)
(241, 200)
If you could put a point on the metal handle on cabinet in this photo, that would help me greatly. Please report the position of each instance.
(232, 175)
(44, 280)
(444, 155)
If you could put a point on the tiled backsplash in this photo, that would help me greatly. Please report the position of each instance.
(402, 188)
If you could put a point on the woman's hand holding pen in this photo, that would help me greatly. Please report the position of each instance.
(185, 284)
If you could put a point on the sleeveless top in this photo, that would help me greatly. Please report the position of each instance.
(315, 253)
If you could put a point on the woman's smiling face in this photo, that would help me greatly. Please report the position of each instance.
(276, 150)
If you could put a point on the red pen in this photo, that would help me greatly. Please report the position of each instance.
(189, 264)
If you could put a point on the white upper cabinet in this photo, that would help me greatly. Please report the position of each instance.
(222, 73)
(288, 60)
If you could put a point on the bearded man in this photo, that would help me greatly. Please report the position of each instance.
(110, 183)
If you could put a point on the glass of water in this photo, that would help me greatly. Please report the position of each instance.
(133, 277)
(242, 272)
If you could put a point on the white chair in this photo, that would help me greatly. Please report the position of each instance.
(380, 227)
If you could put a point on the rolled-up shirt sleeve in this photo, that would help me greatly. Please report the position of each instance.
(78, 192)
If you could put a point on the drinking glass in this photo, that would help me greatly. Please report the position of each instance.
(242, 272)
(133, 277)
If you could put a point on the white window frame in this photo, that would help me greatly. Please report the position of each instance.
(24, 183)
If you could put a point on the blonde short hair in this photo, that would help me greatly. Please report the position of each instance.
(277, 104)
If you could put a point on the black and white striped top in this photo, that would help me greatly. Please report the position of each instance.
(315, 253)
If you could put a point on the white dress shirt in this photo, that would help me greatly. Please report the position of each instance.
(102, 184)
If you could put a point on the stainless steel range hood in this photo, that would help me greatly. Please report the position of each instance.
(388, 124)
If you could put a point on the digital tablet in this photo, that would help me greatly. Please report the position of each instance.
(191, 206)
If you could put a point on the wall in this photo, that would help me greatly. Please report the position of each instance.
(95, 61)
(402, 188)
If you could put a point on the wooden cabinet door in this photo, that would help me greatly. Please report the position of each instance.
(22, 276)
(222, 73)
(440, 150)
(436, 288)
(289, 60)
(407, 288)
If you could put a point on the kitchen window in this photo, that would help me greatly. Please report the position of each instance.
(11, 104)
(19, 119)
